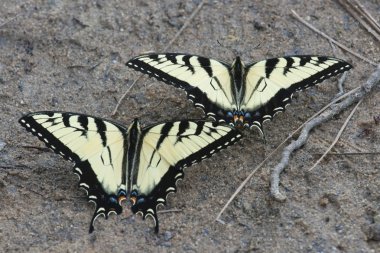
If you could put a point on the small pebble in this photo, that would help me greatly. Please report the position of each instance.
(2, 145)
(323, 202)
(374, 232)
(168, 235)
(376, 218)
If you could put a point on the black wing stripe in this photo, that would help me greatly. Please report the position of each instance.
(186, 60)
(289, 64)
(164, 132)
(101, 130)
(183, 126)
(304, 59)
(206, 65)
(83, 121)
(270, 65)
(172, 58)
(66, 119)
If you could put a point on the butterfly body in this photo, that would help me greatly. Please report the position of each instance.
(238, 94)
(115, 163)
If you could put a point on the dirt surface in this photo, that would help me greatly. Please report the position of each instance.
(68, 55)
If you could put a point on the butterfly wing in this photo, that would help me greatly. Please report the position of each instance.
(207, 82)
(168, 148)
(96, 146)
(271, 83)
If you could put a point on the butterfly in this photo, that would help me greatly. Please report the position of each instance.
(240, 95)
(115, 163)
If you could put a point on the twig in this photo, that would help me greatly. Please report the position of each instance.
(125, 93)
(341, 81)
(331, 39)
(338, 135)
(10, 20)
(36, 147)
(170, 211)
(352, 146)
(328, 114)
(358, 13)
(333, 48)
(275, 150)
(367, 15)
(343, 77)
(195, 12)
(186, 24)
(246, 181)
(350, 153)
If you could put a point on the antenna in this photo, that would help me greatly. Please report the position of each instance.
(233, 50)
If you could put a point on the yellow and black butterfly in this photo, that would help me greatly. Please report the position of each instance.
(115, 163)
(237, 94)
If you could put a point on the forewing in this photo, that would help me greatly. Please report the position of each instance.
(96, 147)
(207, 82)
(167, 149)
(271, 83)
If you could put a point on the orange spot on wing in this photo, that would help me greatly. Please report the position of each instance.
(121, 198)
(133, 200)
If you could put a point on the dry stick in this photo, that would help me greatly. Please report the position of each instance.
(246, 181)
(360, 8)
(343, 77)
(10, 20)
(275, 150)
(338, 135)
(333, 48)
(350, 153)
(186, 24)
(170, 211)
(349, 8)
(334, 41)
(334, 110)
(362, 150)
(340, 83)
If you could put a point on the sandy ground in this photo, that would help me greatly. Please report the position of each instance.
(70, 56)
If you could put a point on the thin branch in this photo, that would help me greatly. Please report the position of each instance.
(341, 81)
(44, 149)
(362, 17)
(338, 135)
(186, 24)
(295, 15)
(246, 181)
(170, 211)
(328, 114)
(241, 186)
(125, 93)
(10, 20)
(367, 15)
(350, 153)
(333, 48)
